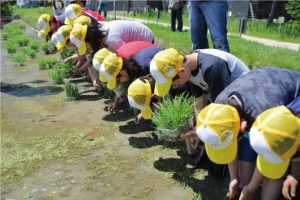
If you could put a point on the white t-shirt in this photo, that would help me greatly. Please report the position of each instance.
(124, 31)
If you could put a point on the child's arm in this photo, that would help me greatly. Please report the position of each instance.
(233, 168)
(73, 57)
(249, 190)
(114, 104)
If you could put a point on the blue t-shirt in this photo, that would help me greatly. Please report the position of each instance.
(261, 89)
(144, 57)
(295, 106)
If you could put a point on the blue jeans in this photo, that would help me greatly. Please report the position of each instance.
(176, 14)
(211, 15)
(102, 6)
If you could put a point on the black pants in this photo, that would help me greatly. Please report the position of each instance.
(176, 14)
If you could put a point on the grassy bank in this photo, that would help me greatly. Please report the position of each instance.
(288, 32)
(31, 15)
(253, 54)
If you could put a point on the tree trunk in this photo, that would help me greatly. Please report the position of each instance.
(273, 9)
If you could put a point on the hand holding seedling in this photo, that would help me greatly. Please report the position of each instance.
(189, 135)
(114, 104)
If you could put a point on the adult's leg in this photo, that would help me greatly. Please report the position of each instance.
(179, 18)
(198, 26)
(173, 20)
(215, 14)
(104, 9)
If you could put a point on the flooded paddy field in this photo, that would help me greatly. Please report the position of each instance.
(54, 149)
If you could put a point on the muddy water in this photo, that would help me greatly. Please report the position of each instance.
(129, 164)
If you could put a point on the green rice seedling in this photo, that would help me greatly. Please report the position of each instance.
(173, 115)
(67, 52)
(34, 45)
(65, 68)
(51, 62)
(19, 58)
(22, 40)
(48, 47)
(28, 51)
(5, 36)
(71, 90)
(42, 63)
(11, 47)
(55, 75)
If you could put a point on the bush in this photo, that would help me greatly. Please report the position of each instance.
(71, 90)
(11, 47)
(55, 75)
(19, 57)
(6, 9)
(28, 51)
(34, 45)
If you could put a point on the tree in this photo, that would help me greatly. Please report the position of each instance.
(293, 8)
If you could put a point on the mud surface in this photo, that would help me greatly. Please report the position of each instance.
(83, 151)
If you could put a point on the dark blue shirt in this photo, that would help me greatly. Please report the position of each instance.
(261, 89)
(144, 57)
(295, 106)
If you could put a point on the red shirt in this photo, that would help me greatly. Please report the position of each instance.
(131, 48)
(92, 14)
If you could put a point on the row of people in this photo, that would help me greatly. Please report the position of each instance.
(124, 51)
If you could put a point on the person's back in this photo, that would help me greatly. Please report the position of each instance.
(262, 89)
(123, 31)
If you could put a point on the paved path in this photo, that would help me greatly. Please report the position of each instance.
(267, 42)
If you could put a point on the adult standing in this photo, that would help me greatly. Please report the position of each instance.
(102, 6)
(211, 15)
(58, 7)
(176, 7)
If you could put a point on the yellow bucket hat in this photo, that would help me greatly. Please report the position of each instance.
(72, 12)
(99, 57)
(218, 126)
(139, 97)
(44, 22)
(163, 68)
(275, 136)
(42, 35)
(63, 34)
(83, 20)
(77, 37)
(110, 68)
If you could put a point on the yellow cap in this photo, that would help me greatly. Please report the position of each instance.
(218, 126)
(275, 136)
(164, 67)
(139, 97)
(82, 20)
(110, 68)
(44, 22)
(42, 35)
(77, 37)
(99, 57)
(72, 12)
(63, 34)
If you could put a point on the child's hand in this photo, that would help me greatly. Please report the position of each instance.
(289, 187)
(247, 193)
(188, 135)
(195, 143)
(114, 104)
(139, 118)
(233, 188)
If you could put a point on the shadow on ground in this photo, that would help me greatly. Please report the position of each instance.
(132, 128)
(23, 90)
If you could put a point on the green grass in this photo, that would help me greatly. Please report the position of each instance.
(29, 52)
(253, 54)
(43, 63)
(31, 15)
(288, 32)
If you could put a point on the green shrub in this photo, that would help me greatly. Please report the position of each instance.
(6, 9)
(34, 45)
(55, 75)
(11, 46)
(173, 114)
(71, 90)
(28, 51)
(5, 36)
(19, 57)
(22, 40)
